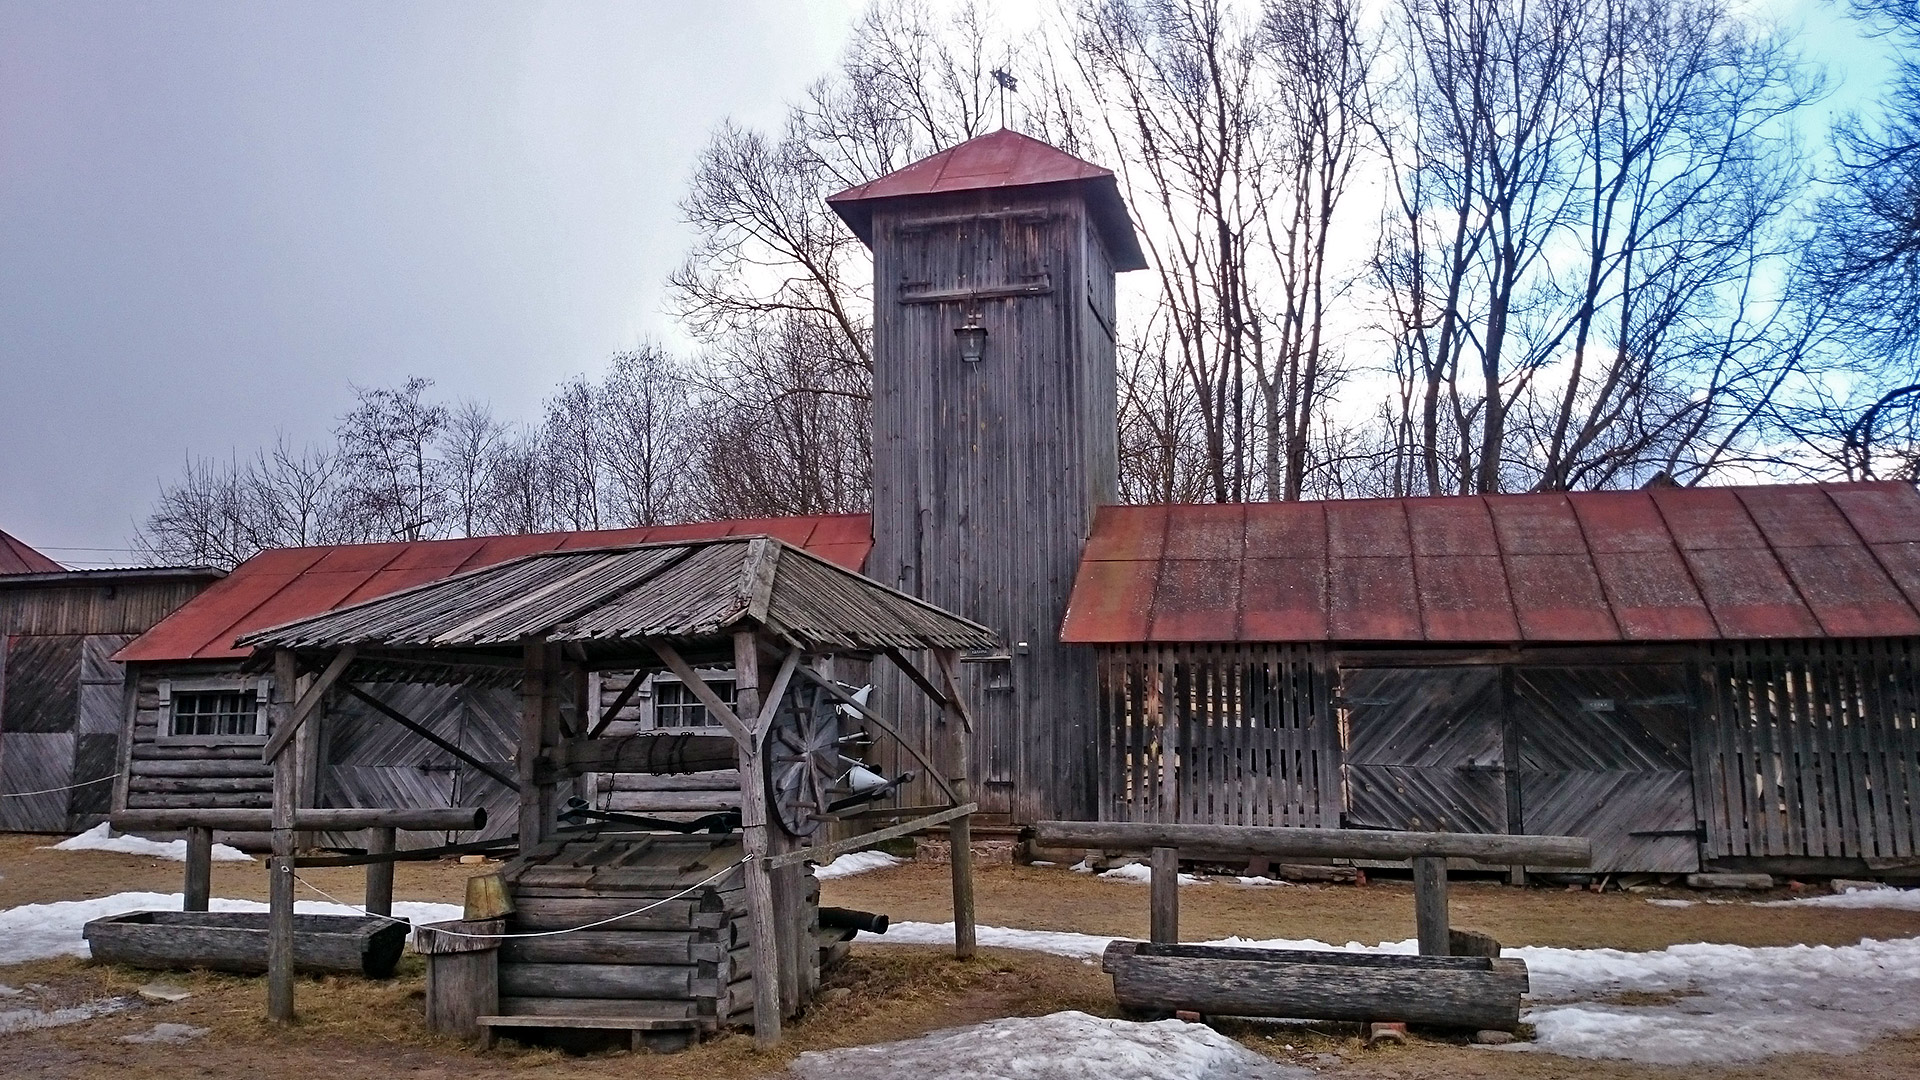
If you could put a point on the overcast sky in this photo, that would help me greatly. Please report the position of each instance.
(214, 216)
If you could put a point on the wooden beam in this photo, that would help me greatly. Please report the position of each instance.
(669, 656)
(430, 735)
(502, 844)
(1164, 902)
(933, 772)
(763, 723)
(914, 675)
(380, 874)
(626, 695)
(199, 884)
(763, 919)
(536, 798)
(280, 866)
(949, 674)
(326, 819)
(1241, 841)
(954, 724)
(1430, 904)
(283, 730)
(827, 852)
(679, 752)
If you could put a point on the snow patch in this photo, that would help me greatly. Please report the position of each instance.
(857, 862)
(1141, 874)
(1061, 1046)
(168, 1034)
(40, 931)
(1261, 882)
(1662, 901)
(1898, 899)
(14, 1020)
(101, 838)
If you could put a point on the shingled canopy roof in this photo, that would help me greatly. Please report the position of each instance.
(681, 591)
(1671, 564)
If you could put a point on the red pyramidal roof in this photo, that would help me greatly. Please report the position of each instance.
(18, 558)
(1001, 160)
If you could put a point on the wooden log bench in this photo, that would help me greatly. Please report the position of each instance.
(1436, 987)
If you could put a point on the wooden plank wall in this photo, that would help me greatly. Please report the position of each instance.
(95, 608)
(1224, 734)
(1810, 750)
(60, 720)
(163, 774)
(986, 474)
(683, 796)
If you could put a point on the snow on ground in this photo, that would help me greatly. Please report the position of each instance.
(101, 838)
(1716, 1003)
(1901, 899)
(39, 931)
(856, 862)
(1062, 1046)
(12, 1020)
(1141, 874)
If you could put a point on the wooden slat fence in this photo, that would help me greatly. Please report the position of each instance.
(1810, 750)
(1222, 734)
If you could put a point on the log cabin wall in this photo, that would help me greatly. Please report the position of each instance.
(62, 697)
(986, 473)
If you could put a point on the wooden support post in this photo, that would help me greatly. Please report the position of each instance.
(280, 866)
(536, 799)
(762, 916)
(1164, 921)
(1430, 904)
(954, 721)
(380, 874)
(199, 886)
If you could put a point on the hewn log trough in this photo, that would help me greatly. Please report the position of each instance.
(236, 941)
(1472, 992)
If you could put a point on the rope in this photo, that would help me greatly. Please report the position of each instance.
(717, 875)
(51, 790)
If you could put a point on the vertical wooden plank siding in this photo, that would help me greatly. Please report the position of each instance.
(1238, 734)
(1808, 749)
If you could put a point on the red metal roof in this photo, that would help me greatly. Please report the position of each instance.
(18, 558)
(286, 584)
(1668, 564)
(999, 160)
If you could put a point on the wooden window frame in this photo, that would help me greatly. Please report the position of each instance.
(261, 687)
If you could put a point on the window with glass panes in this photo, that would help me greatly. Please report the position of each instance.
(215, 712)
(674, 706)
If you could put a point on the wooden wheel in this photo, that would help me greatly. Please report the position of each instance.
(803, 758)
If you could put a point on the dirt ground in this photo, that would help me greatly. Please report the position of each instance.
(353, 1028)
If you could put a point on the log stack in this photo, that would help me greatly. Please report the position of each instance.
(680, 969)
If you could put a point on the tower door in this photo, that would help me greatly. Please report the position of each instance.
(1424, 749)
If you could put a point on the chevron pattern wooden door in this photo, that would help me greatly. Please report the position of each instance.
(1424, 748)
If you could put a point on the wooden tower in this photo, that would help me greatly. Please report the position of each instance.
(995, 430)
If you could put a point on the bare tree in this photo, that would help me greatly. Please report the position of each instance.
(223, 514)
(468, 450)
(648, 442)
(572, 448)
(393, 483)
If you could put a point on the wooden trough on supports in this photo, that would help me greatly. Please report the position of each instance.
(1434, 988)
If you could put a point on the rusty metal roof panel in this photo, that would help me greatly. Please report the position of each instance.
(1283, 599)
(1882, 513)
(1367, 529)
(1215, 531)
(1651, 596)
(1749, 594)
(1450, 527)
(1707, 519)
(1127, 532)
(1112, 600)
(1537, 525)
(17, 558)
(1621, 521)
(1287, 530)
(1371, 599)
(1849, 592)
(1196, 600)
(1797, 516)
(1559, 598)
(1464, 598)
(1902, 563)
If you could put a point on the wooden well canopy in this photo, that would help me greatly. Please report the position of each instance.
(770, 611)
(604, 597)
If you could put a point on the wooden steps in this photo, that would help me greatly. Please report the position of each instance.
(655, 1034)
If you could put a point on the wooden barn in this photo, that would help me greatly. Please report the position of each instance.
(61, 698)
(200, 716)
(1691, 678)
